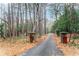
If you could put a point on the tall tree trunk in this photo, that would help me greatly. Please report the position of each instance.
(18, 31)
(9, 20)
(12, 18)
(45, 20)
(26, 21)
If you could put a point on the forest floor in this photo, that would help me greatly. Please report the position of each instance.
(8, 48)
(67, 49)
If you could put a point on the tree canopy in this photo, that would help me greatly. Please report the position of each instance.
(68, 22)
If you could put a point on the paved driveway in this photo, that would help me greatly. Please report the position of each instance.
(46, 48)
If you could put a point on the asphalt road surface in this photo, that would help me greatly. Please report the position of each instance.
(46, 48)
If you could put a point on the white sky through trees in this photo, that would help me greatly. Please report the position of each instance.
(5, 5)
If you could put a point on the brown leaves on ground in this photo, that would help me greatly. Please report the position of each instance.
(67, 50)
(8, 48)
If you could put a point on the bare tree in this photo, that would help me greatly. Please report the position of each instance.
(9, 19)
(26, 21)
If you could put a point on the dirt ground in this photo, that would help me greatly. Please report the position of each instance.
(19, 46)
(67, 50)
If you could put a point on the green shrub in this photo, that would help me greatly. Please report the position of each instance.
(57, 32)
(75, 37)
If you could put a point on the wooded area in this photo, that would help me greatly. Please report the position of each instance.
(21, 21)
(68, 20)
(22, 18)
